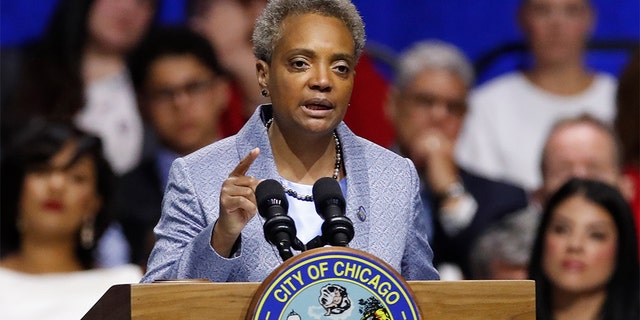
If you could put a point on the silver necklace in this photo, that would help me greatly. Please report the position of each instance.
(336, 170)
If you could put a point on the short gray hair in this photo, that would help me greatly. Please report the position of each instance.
(432, 54)
(509, 239)
(267, 29)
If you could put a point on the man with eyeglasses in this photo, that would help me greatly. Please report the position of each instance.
(182, 92)
(427, 107)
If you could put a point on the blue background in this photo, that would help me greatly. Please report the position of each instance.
(392, 25)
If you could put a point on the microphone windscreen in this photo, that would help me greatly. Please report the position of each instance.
(327, 191)
(268, 193)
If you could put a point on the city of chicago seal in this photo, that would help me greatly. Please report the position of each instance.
(333, 283)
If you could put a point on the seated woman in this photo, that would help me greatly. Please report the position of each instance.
(585, 257)
(56, 188)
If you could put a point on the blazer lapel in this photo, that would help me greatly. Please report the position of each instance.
(255, 133)
(358, 192)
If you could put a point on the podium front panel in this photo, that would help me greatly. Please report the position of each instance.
(439, 300)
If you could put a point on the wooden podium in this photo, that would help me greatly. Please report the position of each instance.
(205, 300)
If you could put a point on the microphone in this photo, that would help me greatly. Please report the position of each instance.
(337, 229)
(279, 229)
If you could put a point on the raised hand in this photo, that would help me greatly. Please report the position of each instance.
(237, 205)
(435, 152)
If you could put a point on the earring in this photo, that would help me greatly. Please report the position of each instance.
(264, 92)
(87, 234)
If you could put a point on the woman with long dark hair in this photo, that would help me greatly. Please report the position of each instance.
(56, 194)
(585, 258)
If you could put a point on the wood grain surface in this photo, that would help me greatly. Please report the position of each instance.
(194, 300)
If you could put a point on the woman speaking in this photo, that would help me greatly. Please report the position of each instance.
(306, 53)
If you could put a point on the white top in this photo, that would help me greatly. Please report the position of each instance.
(308, 222)
(111, 113)
(58, 295)
(509, 119)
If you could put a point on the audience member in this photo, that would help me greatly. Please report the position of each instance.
(306, 51)
(627, 126)
(228, 24)
(427, 106)
(510, 116)
(582, 147)
(56, 197)
(182, 93)
(585, 256)
(77, 72)
(578, 147)
(502, 251)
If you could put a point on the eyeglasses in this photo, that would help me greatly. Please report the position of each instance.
(430, 101)
(192, 89)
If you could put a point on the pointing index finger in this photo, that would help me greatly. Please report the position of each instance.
(244, 164)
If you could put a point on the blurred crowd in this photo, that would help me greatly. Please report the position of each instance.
(532, 175)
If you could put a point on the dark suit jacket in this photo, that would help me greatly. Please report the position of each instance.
(139, 204)
(495, 200)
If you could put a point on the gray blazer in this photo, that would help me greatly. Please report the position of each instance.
(383, 201)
